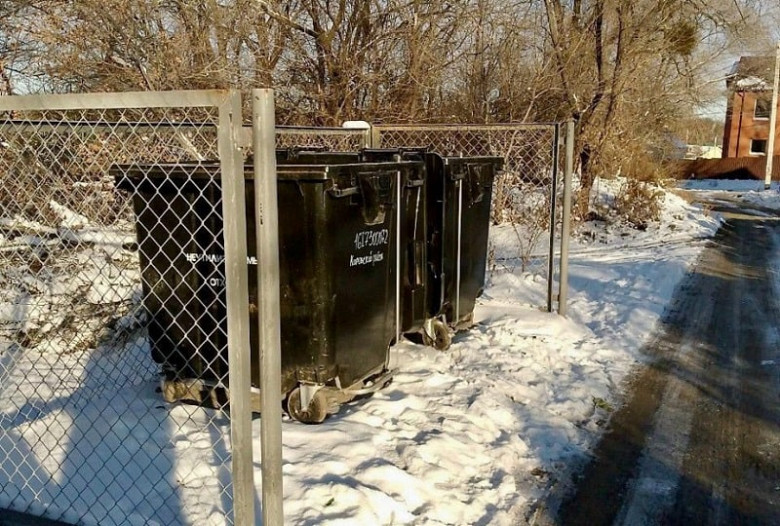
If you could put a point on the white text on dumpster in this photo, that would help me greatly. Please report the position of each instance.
(374, 257)
(369, 239)
(194, 257)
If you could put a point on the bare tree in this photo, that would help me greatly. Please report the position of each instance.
(626, 70)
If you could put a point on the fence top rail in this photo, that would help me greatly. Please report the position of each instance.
(119, 100)
(280, 129)
(476, 127)
(52, 123)
(326, 130)
(92, 124)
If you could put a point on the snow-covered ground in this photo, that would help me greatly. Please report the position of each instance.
(474, 435)
(750, 191)
(478, 434)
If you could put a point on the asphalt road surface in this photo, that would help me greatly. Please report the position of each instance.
(698, 439)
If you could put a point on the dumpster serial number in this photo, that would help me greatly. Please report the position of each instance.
(374, 257)
(194, 257)
(371, 238)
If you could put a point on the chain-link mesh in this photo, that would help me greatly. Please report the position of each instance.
(327, 139)
(522, 196)
(110, 276)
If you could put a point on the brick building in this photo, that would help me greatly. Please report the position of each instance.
(746, 131)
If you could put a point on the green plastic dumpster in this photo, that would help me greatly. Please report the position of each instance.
(338, 241)
(442, 277)
(412, 280)
(458, 192)
(459, 197)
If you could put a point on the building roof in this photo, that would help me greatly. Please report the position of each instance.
(752, 74)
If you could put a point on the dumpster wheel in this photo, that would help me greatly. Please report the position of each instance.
(436, 334)
(314, 414)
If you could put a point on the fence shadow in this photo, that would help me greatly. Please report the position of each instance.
(99, 453)
(728, 391)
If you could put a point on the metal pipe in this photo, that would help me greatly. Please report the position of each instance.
(553, 202)
(376, 137)
(472, 126)
(398, 211)
(267, 232)
(457, 261)
(368, 137)
(112, 101)
(237, 300)
(770, 151)
(88, 128)
(568, 169)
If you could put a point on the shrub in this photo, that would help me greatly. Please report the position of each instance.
(638, 203)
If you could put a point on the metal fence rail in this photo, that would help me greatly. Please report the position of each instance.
(88, 247)
(332, 139)
(527, 197)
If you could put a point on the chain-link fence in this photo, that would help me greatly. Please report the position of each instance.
(114, 275)
(112, 278)
(526, 198)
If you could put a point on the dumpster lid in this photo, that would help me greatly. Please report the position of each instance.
(311, 156)
(481, 159)
(324, 172)
(459, 166)
(302, 172)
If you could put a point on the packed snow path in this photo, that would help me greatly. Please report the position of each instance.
(698, 441)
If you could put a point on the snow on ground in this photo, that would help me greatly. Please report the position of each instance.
(474, 435)
(725, 185)
(478, 434)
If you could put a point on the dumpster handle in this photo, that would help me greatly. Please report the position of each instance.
(415, 182)
(339, 192)
(475, 188)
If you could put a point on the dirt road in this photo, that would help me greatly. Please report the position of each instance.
(698, 439)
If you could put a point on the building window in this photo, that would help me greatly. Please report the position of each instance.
(763, 109)
(758, 147)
